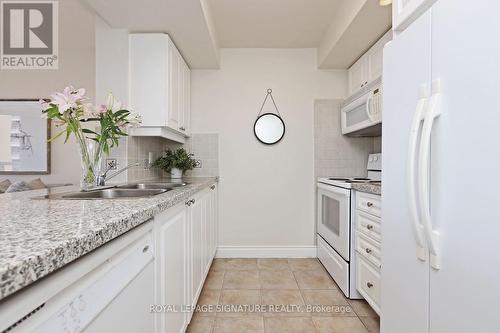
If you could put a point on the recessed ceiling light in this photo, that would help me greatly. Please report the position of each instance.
(384, 2)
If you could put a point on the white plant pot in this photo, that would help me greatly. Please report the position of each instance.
(176, 173)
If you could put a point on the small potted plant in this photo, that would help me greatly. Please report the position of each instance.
(176, 162)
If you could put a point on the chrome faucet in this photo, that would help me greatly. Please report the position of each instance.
(101, 180)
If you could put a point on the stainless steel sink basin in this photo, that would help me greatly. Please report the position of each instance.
(144, 186)
(111, 193)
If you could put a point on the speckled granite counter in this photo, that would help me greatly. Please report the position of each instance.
(38, 237)
(368, 188)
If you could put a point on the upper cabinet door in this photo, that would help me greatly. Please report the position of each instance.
(357, 76)
(185, 100)
(148, 79)
(375, 57)
(160, 84)
(175, 89)
(404, 12)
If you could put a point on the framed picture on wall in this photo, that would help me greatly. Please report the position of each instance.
(24, 135)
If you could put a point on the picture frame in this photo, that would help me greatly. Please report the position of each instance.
(30, 149)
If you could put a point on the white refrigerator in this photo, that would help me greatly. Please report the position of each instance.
(441, 172)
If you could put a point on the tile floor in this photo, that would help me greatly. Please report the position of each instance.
(298, 283)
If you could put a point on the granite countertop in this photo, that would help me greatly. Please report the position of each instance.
(373, 188)
(38, 237)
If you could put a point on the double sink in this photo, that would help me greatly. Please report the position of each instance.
(139, 190)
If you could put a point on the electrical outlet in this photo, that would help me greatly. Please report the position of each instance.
(197, 164)
(111, 163)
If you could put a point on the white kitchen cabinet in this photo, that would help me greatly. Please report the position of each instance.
(172, 273)
(175, 86)
(159, 84)
(184, 254)
(357, 76)
(406, 11)
(210, 227)
(375, 57)
(369, 67)
(196, 221)
(368, 247)
(185, 116)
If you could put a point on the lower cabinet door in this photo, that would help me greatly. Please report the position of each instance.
(196, 213)
(172, 270)
(368, 282)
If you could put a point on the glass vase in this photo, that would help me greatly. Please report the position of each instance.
(91, 158)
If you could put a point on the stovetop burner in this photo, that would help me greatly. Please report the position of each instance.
(355, 180)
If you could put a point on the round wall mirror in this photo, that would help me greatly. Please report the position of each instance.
(269, 128)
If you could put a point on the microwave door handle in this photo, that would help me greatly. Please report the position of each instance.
(369, 100)
(423, 172)
(411, 180)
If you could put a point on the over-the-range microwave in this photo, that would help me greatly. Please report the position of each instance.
(362, 116)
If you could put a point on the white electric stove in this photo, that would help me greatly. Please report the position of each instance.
(334, 229)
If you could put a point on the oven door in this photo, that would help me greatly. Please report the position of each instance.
(333, 218)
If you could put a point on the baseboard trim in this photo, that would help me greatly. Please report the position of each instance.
(266, 252)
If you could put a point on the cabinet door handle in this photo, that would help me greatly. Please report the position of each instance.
(369, 204)
(145, 249)
(188, 203)
(369, 284)
(369, 227)
(368, 250)
(192, 201)
(182, 128)
(212, 187)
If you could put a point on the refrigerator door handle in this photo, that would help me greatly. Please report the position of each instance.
(423, 173)
(418, 117)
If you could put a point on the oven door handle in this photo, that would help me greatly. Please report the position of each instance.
(413, 197)
(334, 189)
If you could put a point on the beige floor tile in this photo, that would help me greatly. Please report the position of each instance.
(304, 264)
(239, 325)
(201, 324)
(362, 308)
(372, 324)
(277, 280)
(289, 325)
(218, 265)
(339, 325)
(243, 297)
(238, 264)
(207, 302)
(328, 303)
(214, 280)
(241, 280)
(314, 279)
(284, 303)
(273, 264)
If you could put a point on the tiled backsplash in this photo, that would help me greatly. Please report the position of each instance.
(336, 154)
(205, 148)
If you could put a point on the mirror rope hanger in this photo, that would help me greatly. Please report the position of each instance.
(269, 94)
(269, 128)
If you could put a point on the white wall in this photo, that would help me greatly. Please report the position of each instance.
(76, 67)
(266, 192)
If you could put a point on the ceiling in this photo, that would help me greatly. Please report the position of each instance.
(341, 30)
(272, 23)
(186, 21)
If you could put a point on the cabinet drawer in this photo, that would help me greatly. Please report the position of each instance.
(369, 203)
(369, 225)
(334, 264)
(368, 282)
(368, 249)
